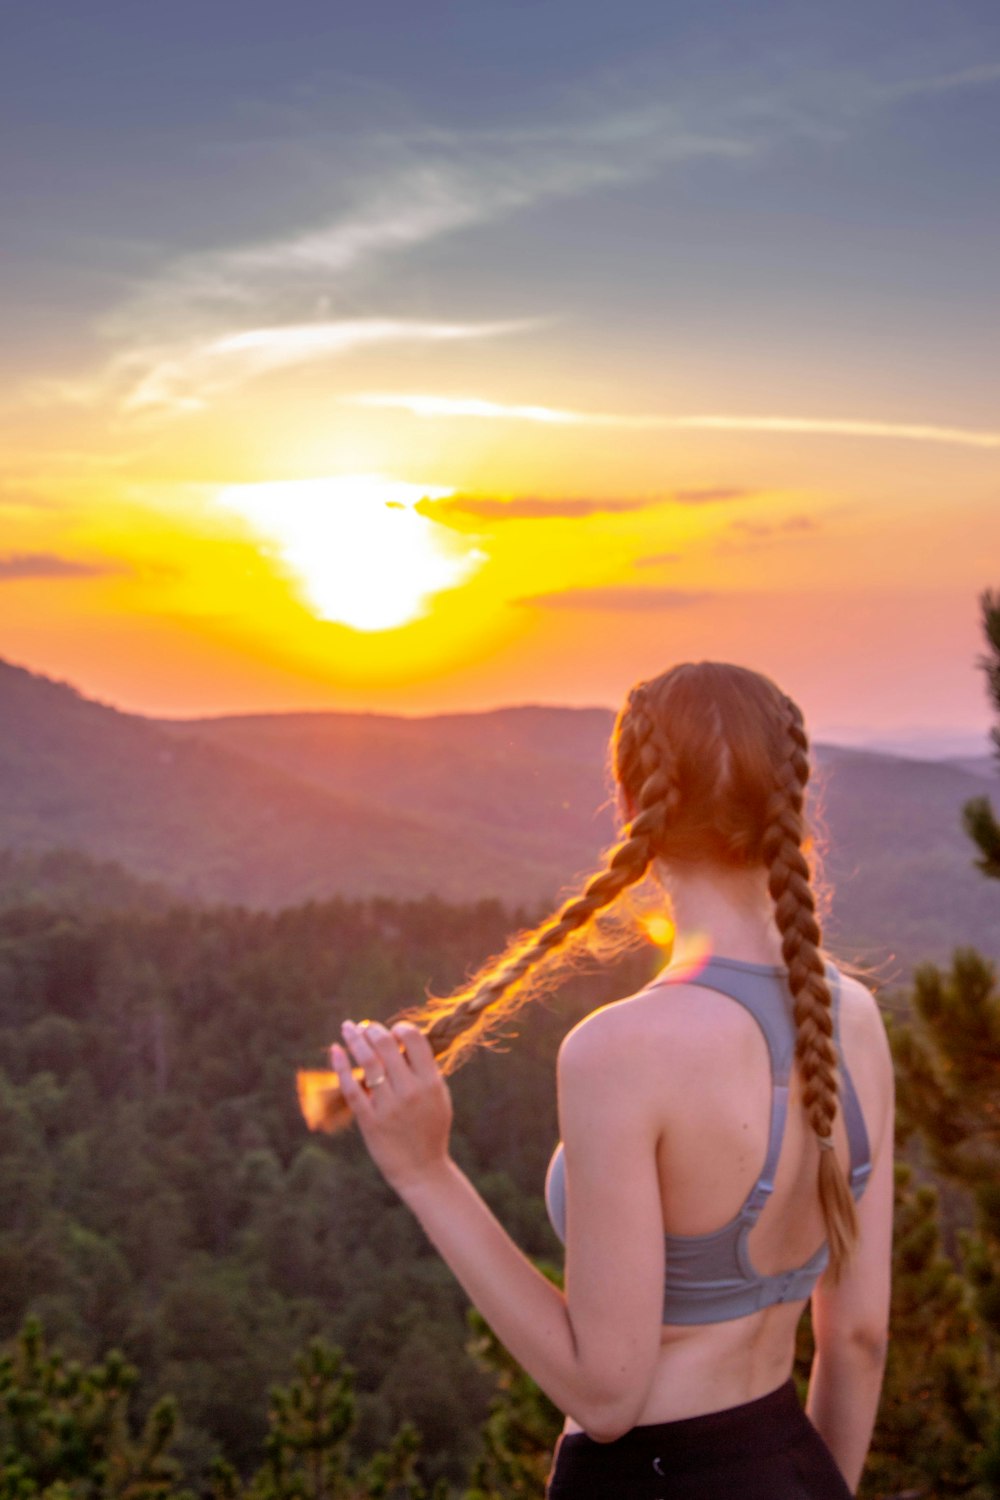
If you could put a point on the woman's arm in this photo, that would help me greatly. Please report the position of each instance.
(850, 1318)
(593, 1348)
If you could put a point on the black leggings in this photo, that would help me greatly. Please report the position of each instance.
(765, 1450)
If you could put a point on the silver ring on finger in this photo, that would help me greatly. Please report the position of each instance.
(373, 1083)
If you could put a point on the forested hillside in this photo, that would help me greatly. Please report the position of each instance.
(162, 1195)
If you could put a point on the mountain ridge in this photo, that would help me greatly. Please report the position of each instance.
(514, 803)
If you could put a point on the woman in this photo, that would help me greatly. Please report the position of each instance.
(727, 1137)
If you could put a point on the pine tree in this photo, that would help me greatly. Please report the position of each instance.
(980, 820)
(65, 1433)
(948, 1062)
(948, 1066)
(307, 1454)
(937, 1417)
(521, 1430)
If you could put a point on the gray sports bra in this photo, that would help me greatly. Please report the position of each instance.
(709, 1277)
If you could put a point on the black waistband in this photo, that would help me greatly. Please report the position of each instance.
(768, 1424)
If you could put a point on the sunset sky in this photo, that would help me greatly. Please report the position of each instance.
(429, 356)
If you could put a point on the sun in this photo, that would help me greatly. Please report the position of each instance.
(361, 552)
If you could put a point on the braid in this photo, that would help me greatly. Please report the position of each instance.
(712, 761)
(479, 1006)
(795, 913)
(453, 1025)
(627, 864)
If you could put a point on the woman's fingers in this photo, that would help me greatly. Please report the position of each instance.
(364, 1053)
(377, 1051)
(356, 1097)
(398, 1097)
(416, 1048)
(400, 1057)
(387, 1053)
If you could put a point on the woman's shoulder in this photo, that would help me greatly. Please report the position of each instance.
(682, 1018)
(859, 1013)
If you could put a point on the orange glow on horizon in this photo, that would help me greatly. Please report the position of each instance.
(440, 591)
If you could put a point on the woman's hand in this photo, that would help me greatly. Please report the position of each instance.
(403, 1108)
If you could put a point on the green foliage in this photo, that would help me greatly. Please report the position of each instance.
(65, 1434)
(64, 1430)
(520, 1432)
(980, 821)
(307, 1455)
(948, 1067)
(983, 829)
(161, 1194)
(940, 1407)
(948, 1063)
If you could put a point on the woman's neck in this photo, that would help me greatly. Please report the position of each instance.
(728, 909)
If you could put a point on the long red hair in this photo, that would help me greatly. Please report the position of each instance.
(711, 761)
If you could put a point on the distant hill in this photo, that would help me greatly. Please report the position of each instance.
(977, 765)
(270, 810)
(214, 824)
(899, 865)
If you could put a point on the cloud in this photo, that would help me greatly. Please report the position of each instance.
(48, 565)
(613, 598)
(474, 406)
(941, 83)
(175, 338)
(710, 496)
(748, 536)
(396, 190)
(526, 508)
(656, 559)
(187, 378)
(828, 105)
(181, 335)
(406, 190)
(774, 528)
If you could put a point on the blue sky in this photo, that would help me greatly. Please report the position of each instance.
(827, 164)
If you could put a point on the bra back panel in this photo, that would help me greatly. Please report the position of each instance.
(710, 1278)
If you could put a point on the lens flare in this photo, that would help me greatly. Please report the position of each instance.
(659, 929)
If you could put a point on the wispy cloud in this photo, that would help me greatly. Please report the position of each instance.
(827, 105)
(473, 406)
(530, 508)
(486, 508)
(187, 378)
(774, 528)
(178, 328)
(657, 559)
(710, 495)
(48, 565)
(980, 76)
(616, 598)
(748, 536)
(203, 322)
(415, 188)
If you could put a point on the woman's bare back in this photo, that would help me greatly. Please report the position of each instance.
(703, 1076)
